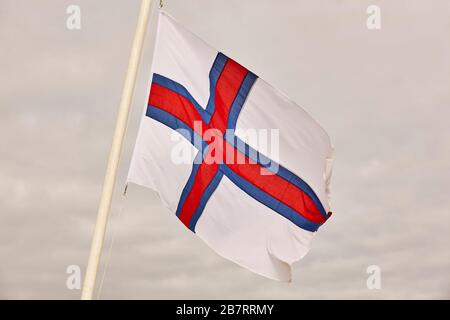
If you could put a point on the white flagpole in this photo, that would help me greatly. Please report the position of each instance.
(114, 155)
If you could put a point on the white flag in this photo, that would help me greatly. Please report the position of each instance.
(240, 164)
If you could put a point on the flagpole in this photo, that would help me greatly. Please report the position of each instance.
(114, 155)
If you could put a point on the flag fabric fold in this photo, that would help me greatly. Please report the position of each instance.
(238, 162)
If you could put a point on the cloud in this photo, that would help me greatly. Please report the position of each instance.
(382, 96)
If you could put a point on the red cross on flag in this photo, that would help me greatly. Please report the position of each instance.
(241, 165)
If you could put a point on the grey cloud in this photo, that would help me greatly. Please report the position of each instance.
(382, 96)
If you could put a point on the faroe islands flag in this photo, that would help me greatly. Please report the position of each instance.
(241, 165)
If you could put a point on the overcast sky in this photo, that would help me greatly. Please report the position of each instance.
(382, 95)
